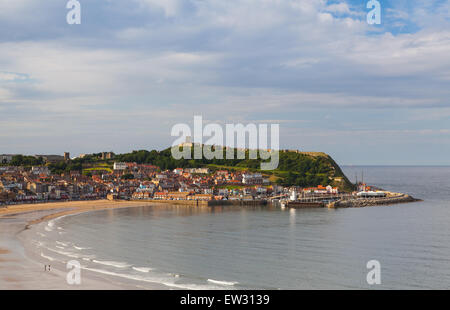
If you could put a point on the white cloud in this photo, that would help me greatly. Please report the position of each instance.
(170, 7)
(397, 14)
(341, 8)
(229, 60)
(4, 94)
(9, 8)
(11, 76)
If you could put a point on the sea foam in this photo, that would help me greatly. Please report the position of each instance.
(47, 257)
(142, 269)
(80, 248)
(222, 282)
(156, 280)
(112, 263)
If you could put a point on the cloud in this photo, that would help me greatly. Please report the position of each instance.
(169, 7)
(11, 76)
(4, 94)
(136, 68)
(341, 7)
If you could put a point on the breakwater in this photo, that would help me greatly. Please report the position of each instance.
(366, 202)
(392, 198)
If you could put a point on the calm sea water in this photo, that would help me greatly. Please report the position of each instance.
(270, 248)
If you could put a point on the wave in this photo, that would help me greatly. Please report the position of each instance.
(193, 287)
(59, 218)
(123, 275)
(65, 253)
(73, 255)
(80, 248)
(142, 269)
(47, 257)
(62, 243)
(222, 282)
(112, 263)
(163, 281)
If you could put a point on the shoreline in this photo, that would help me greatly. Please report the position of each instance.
(69, 207)
(73, 207)
(22, 268)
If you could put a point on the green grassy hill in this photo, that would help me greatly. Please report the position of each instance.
(295, 168)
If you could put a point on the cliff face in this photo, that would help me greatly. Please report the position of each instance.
(339, 179)
(305, 169)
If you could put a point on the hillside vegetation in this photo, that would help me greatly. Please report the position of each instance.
(295, 168)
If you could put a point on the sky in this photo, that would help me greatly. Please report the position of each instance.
(365, 94)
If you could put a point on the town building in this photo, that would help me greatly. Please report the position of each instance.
(249, 179)
(120, 166)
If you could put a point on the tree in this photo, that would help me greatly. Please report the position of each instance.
(127, 176)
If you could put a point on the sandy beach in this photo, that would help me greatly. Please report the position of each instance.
(69, 207)
(19, 271)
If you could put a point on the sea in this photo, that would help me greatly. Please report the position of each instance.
(267, 247)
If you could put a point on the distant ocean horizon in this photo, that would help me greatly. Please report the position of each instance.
(347, 165)
(267, 247)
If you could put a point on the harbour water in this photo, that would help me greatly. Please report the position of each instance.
(266, 247)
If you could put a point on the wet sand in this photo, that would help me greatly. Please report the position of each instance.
(20, 269)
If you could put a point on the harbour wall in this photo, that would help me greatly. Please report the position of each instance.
(366, 202)
(209, 203)
(393, 198)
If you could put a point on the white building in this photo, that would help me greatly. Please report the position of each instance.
(371, 194)
(207, 191)
(332, 190)
(293, 196)
(198, 170)
(120, 166)
(178, 171)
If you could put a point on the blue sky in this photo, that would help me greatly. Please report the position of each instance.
(365, 94)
